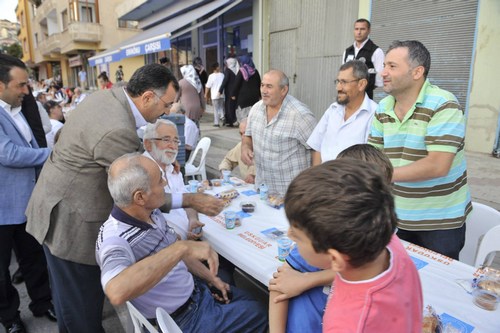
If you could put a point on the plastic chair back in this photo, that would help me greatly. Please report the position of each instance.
(190, 169)
(490, 243)
(141, 324)
(480, 220)
(166, 323)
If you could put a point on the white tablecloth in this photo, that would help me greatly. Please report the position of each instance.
(254, 253)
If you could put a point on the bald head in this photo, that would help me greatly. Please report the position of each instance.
(127, 175)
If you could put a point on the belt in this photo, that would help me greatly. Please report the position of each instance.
(180, 310)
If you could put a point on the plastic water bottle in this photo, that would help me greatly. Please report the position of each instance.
(263, 191)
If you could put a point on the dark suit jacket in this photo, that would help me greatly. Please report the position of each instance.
(71, 199)
(29, 108)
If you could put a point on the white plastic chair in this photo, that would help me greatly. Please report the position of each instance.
(190, 169)
(166, 323)
(490, 243)
(480, 220)
(140, 321)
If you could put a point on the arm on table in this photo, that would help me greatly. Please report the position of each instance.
(194, 222)
(149, 271)
(434, 165)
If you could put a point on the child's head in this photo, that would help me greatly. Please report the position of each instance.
(215, 67)
(340, 205)
(54, 110)
(368, 153)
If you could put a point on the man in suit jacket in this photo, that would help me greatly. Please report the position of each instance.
(20, 161)
(71, 199)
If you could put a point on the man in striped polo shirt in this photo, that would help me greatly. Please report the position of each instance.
(422, 129)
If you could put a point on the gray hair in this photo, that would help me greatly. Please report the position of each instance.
(124, 183)
(283, 82)
(359, 69)
(418, 55)
(151, 130)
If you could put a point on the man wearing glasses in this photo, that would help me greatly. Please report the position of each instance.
(161, 144)
(347, 121)
(71, 199)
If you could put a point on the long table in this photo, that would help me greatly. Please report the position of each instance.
(255, 254)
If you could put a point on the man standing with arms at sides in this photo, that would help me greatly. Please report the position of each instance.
(276, 135)
(82, 77)
(71, 199)
(348, 121)
(365, 50)
(421, 128)
(20, 161)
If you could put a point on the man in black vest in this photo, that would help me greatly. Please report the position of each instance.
(365, 50)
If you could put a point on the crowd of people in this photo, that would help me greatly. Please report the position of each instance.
(83, 203)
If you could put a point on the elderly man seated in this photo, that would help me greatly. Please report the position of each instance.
(161, 144)
(142, 261)
(233, 159)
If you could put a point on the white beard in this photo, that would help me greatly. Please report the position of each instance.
(160, 155)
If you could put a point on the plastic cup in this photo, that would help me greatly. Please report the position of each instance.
(193, 186)
(230, 219)
(226, 174)
(284, 246)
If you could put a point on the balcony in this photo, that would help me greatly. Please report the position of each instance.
(81, 36)
(50, 45)
(45, 9)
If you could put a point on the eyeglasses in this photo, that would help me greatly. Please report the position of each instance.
(167, 140)
(344, 82)
(165, 104)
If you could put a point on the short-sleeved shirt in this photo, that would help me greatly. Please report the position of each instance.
(389, 302)
(305, 311)
(434, 123)
(333, 134)
(280, 147)
(191, 133)
(123, 240)
(214, 82)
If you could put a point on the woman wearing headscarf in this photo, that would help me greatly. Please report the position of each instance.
(246, 88)
(191, 94)
(200, 70)
(226, 88)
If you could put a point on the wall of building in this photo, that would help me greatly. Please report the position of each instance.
(484, 102)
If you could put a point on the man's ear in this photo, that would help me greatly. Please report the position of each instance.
(362, 84)
(418, 72)
(138, 198)
(148, 145)
(147, 98)
(339, 260)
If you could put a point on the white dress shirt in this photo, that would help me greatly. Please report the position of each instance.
(333, 134)
(19, 120)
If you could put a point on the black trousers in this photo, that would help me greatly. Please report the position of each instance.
(77, 293)
(33, 267)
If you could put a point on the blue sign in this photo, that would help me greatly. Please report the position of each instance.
(105, 59)
(145, 48)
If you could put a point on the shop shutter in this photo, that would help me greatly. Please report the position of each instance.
(446, 28)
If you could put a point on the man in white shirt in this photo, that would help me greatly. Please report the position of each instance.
(214, 82)
(54, 110)
(365, 50)
(161, 144)
(347, 121)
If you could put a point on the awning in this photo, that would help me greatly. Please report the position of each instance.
(157, 39)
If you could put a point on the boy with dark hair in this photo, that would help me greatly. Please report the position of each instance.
(342, 217)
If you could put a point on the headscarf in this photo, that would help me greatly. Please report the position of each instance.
(189, 74)
(233, 65)
(247, 67)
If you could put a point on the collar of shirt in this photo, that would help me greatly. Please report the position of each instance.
(277, 116)
(139, 119)
(120, 215)
(356, 48)
(390, 101)
(7, 107)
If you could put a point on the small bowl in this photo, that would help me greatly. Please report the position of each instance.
(216, 182)
(485, 299)
(248, 206)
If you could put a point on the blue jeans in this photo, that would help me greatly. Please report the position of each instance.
(447, 242)
(242, 314)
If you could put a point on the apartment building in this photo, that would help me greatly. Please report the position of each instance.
(62, 34)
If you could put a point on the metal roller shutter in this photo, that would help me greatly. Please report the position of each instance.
(446, 28)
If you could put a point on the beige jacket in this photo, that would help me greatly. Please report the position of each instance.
(233, 159)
